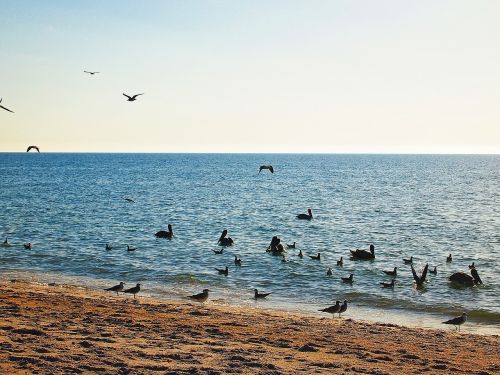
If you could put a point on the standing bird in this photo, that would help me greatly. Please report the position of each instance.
(343, 308)
(458, 321)
(200, 297)
(258, 295)
(32, 147)
(1, 106)
(307, 216)
(449, 258)
(133, 290)
(419, 280)
(91, 73)
(223, 271)
(237, 262)
(300, 255)
(349, 279)
(393, 272)
(332, 309)
(291, 246)
(132, 98)
(268, 167)
(165, 234)
(116, 288)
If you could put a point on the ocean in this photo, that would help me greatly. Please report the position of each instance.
(69, 206)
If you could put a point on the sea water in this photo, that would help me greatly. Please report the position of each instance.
(426, 206)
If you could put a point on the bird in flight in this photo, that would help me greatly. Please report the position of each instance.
(132, 98)
(91, 73)
(1, 106)
(31, 147)
(268, 167)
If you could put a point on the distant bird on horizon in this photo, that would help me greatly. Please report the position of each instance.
(116, 288)
(458, 321)
(307, 216)
(268, 167)
(133, 290)
(200, 297)
(32, 147)
(419, 280)
(91, 73)
(349, 279)
(258, 295)
(132, 98)
(332, 309)
(393, 272)
(1, 106)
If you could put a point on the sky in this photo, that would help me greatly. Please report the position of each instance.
(353, 76)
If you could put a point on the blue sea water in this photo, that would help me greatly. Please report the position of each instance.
(426, 206)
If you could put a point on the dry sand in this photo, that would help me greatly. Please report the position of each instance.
(63, 329)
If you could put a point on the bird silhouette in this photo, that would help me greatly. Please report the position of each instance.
(268, 167)
(91, 73)
(32, 147)
(332, 309)
(200, 297)
(419, 280)
(258, 295)
(116, 288)
(133, 290)
(1, 106)
(132, 98)
(349, 279)
(458, 321)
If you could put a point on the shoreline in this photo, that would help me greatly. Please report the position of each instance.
(66, 328)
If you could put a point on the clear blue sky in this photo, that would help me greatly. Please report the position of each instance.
(251, 76)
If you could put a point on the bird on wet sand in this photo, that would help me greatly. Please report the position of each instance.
(392, 273)
(116, 288)
(307, 216)
(458, 321)
(332, 309)
(343, 308)
(419, 280)
(340, 262)
(258, 295)
(133, 290)
(1, 106)
(363, 254)
(32, 148)
(200, 297)
(449, 258)
(388, 285)
(164, 233)
(132, 98)
(315, 257)
(349, 279)
(237, 261)
(408, 261)
(223, 271)
(268, 167)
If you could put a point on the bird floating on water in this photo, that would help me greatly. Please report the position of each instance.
(394, 272)
(408, 261)
(258, 295)
(458, 321)
(1, 106)
(91, 73)
(329, 272)
(6, 243)
(165, 234)
(315, 257)
(116, 288)
(449, 258)
(300, 255)
(27, 246)
(131, 248)
(132, 98)
(332, 309)
(434, 271)
(268, 167)
(340, 262)
(237, 261)
(388, 285)
(463, 279)
(223, 271)
(109, 246)
(307, 216)
(471, 266)
(32, 148)
(216, 251)
(133, 290)
(364, 254)
(291, 246)
(349, 279)
(225, 241)
(419, 280)
(200, 297)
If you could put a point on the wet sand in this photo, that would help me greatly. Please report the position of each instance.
(65, 329)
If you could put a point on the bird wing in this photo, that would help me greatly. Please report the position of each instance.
(127, 96)
(136, 95)
(424, 273)
(1, 106)
(415, 277)
(271, 169)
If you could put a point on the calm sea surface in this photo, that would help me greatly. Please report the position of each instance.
(70, 205)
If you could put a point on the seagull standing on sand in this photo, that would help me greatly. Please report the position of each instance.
(133, 290)
(31, 148)
(116, 288)
(458, 321)
(1, 106)
(343, 308)
(200, 297)
(132, 98)
(332, 309)
(393, 272)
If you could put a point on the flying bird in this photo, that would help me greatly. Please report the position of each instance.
(268, 167)
(91, 73)
(458, 321)
(32, 147)
(1, 106)
(132, 98)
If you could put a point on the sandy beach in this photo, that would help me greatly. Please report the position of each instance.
(66, 329)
